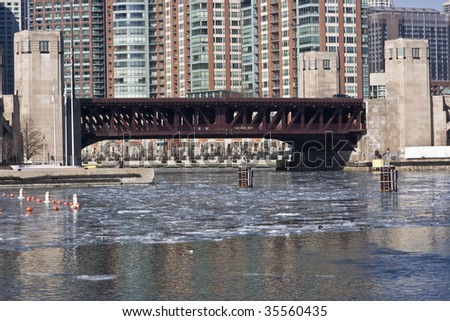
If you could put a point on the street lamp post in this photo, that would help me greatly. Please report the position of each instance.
(72, 86)
(65, 126)
(43, 149)
(72, 94)
(54, 123)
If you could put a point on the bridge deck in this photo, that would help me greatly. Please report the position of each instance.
(282, 118)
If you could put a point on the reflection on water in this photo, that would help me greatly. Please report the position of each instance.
(197, 236)
(367, 265)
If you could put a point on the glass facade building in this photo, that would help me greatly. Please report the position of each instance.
(411, 23)
(342, 27)
(215, 45)
(250, 48)
(131, 51)
(176, 48)
(13, 18)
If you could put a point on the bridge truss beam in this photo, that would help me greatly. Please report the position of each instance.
(288, 119)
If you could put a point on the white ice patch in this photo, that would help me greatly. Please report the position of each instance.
(95, 278)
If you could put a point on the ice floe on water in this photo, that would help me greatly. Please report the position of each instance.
(187, 207)
(96, 278)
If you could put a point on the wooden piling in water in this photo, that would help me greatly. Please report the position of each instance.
(245, 177)
(388, 178)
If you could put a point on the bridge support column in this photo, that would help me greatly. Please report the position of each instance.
(72, 139)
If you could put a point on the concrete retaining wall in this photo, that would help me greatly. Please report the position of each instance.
(78, 176)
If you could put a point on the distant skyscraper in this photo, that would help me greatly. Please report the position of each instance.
(19, 9)
(156, 47)
(446, 7)
(134, 48)
(130, 47)
(269, 48)
(275, 33)
(411, 23)
(82, 23)
(381, 3)
(13, 15)
(176, 48)
(1, 72)
(250, 48)
(340, 27)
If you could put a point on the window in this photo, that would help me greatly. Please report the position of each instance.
(312, 64)
(26, 46)
(326, 64)
(416, 53)
(401, 53)
(43, 47)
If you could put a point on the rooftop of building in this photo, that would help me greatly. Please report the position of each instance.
(403, 10)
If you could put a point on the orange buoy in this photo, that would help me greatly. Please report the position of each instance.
(65, 203)
(32, 198)
(74, 207)
(55, 208)
(12, 195)
(53, 201)
(59, 202)
(28, 198)
(38, 200)
(29, 209)
(1, 210)
(4, 195)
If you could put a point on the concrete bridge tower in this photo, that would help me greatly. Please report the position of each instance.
(38, 87)
(400, 112)
(408, 95)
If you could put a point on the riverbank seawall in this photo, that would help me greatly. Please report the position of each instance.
(77, 176)
(405, 165)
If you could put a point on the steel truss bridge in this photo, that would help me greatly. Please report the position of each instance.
(299, 121)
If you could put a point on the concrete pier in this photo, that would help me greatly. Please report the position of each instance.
(76, 176)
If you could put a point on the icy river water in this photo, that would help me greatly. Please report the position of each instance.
(195, 235)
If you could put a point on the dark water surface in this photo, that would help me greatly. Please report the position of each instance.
(194, 235)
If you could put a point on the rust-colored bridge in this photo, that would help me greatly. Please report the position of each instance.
(288, 119)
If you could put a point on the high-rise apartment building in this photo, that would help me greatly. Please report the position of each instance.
(274, 33)
(446, 7)
(381, 3)
(13, 18)
(130, 47)
(202, 48)
(277, 48)
(341, 27)
(250, 48)
(83, 25)
(19, 9)
(156, 47)
(134, 48)
(411, 23)
(1, 71)
(176, 48)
